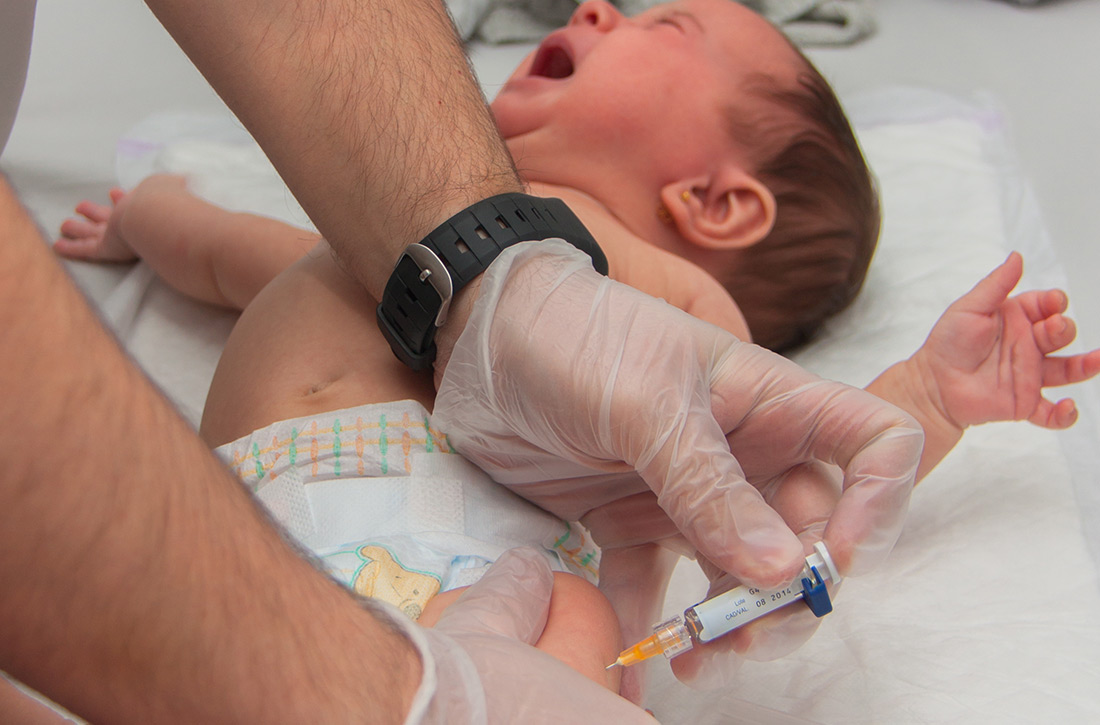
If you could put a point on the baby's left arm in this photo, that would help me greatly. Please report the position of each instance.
(988, 358)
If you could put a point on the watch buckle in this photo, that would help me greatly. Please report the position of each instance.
(434, 273)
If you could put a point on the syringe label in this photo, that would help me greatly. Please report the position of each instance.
(738, 607)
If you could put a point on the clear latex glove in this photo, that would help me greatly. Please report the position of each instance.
(564, 384)
(479, 665)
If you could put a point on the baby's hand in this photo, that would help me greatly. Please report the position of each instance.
(94, 235)
(989, 356)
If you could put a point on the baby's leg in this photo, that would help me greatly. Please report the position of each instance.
(581, 630)
(209, 253)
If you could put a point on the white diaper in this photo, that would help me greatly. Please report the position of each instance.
(390, 508)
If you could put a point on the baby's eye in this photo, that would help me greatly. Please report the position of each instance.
(670, 21)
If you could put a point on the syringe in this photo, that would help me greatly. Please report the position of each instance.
(726, 612)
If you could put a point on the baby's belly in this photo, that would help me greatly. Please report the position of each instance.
(307, 344)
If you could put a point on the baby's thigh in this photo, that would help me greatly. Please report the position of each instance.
(581, 629)
(307, 344)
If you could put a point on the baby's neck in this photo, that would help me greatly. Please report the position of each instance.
(641, 264)
(599, 219)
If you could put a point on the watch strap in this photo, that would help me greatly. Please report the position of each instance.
(427, 275)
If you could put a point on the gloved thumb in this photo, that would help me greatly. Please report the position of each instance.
(512, 599)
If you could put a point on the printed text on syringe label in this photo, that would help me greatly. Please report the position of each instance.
(740, 606)
(768, 600)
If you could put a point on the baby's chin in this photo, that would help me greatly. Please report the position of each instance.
(507, 117)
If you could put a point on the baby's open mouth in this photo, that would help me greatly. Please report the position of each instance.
(552, 61)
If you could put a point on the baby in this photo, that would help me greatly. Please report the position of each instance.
(698, 128)
(302, 397)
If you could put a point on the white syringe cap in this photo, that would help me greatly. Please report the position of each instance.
(824, 562)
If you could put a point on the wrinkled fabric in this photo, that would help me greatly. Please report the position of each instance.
(806, 22)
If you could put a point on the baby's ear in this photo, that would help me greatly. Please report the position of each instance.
(730, 209)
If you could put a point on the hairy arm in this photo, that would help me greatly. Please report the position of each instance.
(367, 108)
(140, 580)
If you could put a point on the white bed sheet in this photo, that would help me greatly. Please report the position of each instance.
(988, 607)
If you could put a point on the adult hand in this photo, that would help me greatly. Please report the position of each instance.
(479, 665)
(564, 384)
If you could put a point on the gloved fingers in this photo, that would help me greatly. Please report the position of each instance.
(878, 481)
(512, 599)
(703, 489)
(714, 664)
(805, 497)
(629, 521)
(804, 418)
(711, 666)
(635, 580)
(486, 679)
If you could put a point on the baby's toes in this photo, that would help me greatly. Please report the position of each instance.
(77, 228)
(77, 247)
(79, 242)
(94, 212)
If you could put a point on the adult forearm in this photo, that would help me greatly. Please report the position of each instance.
(368, 109)
(139, 581)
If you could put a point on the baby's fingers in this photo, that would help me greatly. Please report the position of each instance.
(990, 293)
(1038, 305)
(1058, 415)
(1053, 333)
(1070, 369)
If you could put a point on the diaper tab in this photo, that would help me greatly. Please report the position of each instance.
(285, 497)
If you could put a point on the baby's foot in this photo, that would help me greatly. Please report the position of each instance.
(95, 235)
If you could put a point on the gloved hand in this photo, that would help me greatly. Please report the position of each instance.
(480, 667)
(564, 384)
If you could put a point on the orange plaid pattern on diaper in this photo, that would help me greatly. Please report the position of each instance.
(336, 445)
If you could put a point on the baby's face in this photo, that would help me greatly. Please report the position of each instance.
(616, 97)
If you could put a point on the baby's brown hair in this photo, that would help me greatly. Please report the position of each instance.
(813, 262)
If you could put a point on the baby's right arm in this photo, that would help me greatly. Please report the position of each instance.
(209, 253)
(988, 358)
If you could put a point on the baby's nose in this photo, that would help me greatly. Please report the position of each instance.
(601, 15)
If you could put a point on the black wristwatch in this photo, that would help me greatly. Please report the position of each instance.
(428, 275)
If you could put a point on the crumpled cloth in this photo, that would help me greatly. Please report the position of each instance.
(806, 22)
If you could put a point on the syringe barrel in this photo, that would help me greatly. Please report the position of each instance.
(737, 607)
